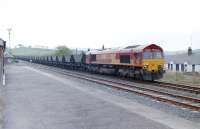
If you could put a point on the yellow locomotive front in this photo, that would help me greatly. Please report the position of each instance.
(153, 63)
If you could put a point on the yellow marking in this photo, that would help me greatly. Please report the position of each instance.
(113, 58)
(153, 64)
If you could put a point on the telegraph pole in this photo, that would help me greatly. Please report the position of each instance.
(9, 33)
(191, 40)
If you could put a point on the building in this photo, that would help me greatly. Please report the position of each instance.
(2, 49)
(183, 62)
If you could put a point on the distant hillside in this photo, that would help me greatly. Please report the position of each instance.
(32, 51)
(44, 52)
(196, 51)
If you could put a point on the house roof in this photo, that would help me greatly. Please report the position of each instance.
(182, 58)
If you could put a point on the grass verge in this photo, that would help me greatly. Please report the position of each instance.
(185, 78)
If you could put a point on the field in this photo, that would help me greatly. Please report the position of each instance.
(185, 78)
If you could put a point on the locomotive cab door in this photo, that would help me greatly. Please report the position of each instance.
(138, 58)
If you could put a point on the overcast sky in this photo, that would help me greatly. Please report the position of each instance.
(91, 23)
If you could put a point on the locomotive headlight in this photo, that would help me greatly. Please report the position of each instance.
(145, 66)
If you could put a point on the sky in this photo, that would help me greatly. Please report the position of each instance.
(172, 24)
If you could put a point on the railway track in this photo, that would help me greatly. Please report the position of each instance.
(167, 97)
(180, 87)
(189, 88)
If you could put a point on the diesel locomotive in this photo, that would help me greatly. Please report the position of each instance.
(144, 62)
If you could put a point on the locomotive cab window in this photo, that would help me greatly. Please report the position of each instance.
(147, 54)
(152, 54)
(125, 59)
(156, 54)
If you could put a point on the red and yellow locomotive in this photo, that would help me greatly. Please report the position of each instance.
(141, 61)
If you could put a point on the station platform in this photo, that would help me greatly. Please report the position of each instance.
(37, 99)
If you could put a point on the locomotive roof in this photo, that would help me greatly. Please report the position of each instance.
(135, 48)
(147, 46)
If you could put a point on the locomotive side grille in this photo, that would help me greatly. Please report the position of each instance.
(125, 59)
